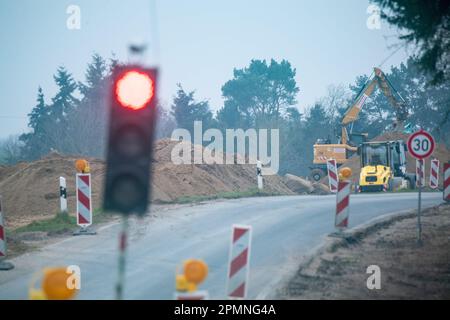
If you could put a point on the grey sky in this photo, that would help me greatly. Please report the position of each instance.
(196, 43)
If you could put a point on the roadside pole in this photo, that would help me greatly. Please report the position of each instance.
(62, 195)
(421, 146)
(259, 175)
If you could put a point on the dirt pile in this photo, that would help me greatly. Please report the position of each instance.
(302, 186)
(30, 191)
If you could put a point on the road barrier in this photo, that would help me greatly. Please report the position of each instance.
(238, 271)
(62, 194)
(342, 204)
(3, 264)
(420, 172)
(434, 174)
(333, 179)
(84, 203)
(447, 181)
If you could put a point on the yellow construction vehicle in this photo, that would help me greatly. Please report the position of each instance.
(383, 166)
(349, 141)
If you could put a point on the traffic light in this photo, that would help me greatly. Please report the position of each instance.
(130, 139)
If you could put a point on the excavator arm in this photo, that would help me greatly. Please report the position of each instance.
(401, 111)
(388, 90)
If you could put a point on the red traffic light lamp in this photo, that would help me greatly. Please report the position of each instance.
(134, 89)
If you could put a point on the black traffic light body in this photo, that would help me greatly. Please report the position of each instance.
(130, 140)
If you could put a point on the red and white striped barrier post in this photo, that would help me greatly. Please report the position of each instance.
(84, 203)
(434, 174)
(342, 205)
(447, 181)
(4, 265)
(420, 172)
(239, 269)
(333, 178)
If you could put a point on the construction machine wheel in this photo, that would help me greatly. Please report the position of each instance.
(317, 174)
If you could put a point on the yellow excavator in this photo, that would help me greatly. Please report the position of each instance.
(349, 141)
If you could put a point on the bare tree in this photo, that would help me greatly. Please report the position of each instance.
(11, 150)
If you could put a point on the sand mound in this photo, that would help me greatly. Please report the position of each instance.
(298, 184)
(30, 191)
(303, 186)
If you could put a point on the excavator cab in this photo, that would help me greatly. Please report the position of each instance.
(356, 139)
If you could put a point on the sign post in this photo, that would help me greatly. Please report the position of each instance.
(421, 146)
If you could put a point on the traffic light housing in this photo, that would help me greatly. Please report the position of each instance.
(132, 123)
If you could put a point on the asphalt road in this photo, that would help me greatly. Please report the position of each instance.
(284, 229)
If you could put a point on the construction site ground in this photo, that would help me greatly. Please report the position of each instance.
(408, 270)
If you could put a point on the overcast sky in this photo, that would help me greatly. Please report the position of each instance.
(195, 42)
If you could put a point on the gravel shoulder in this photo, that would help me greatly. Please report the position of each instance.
(408, 271)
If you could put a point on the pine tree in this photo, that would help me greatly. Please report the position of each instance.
(64, 101)
(35, 143)
(39, 112)
(87, 123)
(95, 75)
(186, 110)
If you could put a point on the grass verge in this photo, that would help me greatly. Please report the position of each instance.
(61, 223)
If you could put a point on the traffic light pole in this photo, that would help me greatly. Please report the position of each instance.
(122, 250)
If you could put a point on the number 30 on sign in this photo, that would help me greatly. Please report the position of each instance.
(421, 144)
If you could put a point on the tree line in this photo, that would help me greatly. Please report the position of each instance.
(261, 95)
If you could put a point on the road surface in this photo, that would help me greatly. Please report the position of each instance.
(284, 229)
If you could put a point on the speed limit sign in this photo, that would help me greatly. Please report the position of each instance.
(421, 144)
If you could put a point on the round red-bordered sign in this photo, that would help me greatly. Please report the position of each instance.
(421, 144)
